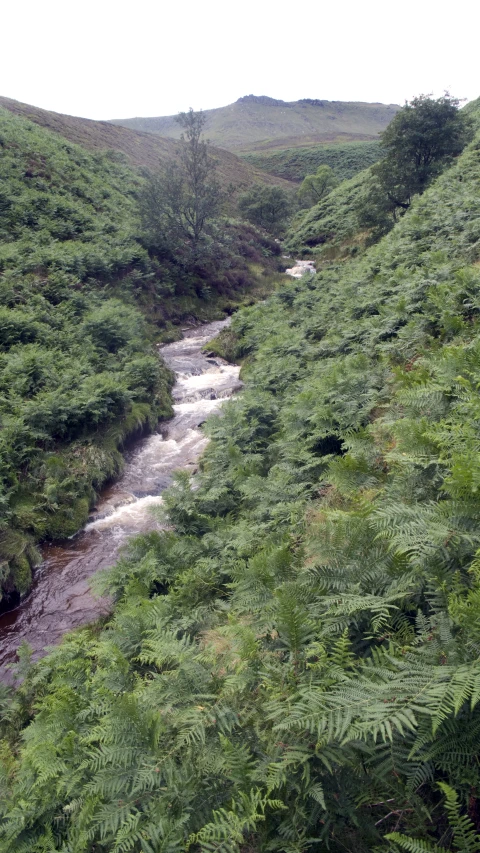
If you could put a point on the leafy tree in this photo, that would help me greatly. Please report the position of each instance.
(179, 205)
(425, 135)
(269, 207)
(315, 187)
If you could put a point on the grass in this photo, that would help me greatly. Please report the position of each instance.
(253, 122)
(293, 164)
(331, 228)
(133, 147)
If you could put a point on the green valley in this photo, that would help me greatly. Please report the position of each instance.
(292, 663)
(82, 302)
(294, 164)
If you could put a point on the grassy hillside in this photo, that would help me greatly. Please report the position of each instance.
(294, 164)
(140, 149)
(293, 666)
(473, 109)
(78, 372)
(253, 123)
(331, 228)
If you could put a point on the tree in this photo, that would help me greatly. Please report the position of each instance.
(425, 135)
(268, 207)
(179, 204)
(315, 187)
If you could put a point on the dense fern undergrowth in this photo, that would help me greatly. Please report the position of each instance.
(331, 229)
(294, 663)
(81, 303)
(343, 223)
(295, 164)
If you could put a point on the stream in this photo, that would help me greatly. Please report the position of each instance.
(60, 598)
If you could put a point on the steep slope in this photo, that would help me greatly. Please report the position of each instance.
(140, 149)
(331, 227)
(473, 109)
(77, 368)
(254, 123)
(294, 665)
(335, 226)
(294, 164)
(78, 371)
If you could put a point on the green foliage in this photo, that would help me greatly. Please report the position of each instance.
(472, 110)
(294, 664)
(316, 187)
(73, 359)
(269, 207)
(63, 210)
(332, 227)
(78, 372)
(179, 204)
(419, 142)
(294, 164)
(465, 839)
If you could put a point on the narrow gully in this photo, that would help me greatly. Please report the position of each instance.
(61, 598)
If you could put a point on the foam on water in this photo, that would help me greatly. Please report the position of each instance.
(61, 598)
(132, 515)
(216, 382)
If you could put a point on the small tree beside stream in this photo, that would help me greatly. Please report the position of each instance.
(315, 188)
(269, 207)
(179, 205)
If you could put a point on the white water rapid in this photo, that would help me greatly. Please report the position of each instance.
(60, 598)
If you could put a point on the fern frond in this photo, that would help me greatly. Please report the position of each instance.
(413, 845)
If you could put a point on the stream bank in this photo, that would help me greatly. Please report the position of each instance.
(61, 598)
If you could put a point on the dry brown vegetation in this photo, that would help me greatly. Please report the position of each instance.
(140, 149)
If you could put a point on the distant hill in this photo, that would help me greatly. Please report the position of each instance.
(140, 149)
(258, 122)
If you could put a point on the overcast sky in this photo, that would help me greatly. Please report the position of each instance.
(99, 59)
